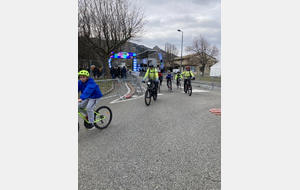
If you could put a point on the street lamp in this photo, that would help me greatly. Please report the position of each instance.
(181, 48)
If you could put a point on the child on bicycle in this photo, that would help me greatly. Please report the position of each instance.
(178, 77)
(186, 75)
(160, 76)
(169, 77)
(90, 96)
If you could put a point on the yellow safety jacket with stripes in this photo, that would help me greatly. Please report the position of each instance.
(153, 74)
(177, 77)
(186, 74)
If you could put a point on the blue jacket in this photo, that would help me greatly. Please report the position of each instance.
(89, 89)
(169, 76)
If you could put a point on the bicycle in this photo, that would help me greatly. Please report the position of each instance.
(188, 86)
(169, 84)
(159, 84)
(158, 88)
(151, 91)
(178, 84)
(102, 117)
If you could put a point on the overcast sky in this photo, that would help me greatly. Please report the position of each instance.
(193, 17)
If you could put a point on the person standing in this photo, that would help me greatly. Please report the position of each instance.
(97, 72)
(124, 72)
(110, 71)
(114, 72)
(119, 72)
(94, 72)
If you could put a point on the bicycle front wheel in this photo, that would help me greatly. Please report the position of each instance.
(154, 94)
(103, 117)
(148, 97)
(189, 90)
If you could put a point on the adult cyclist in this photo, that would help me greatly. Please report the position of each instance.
(153, 75)
(186, 75)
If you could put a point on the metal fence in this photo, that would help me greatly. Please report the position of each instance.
(208, 82)
(134, 81)
(86, 64)
(119, 87)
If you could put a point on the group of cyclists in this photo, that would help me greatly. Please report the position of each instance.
(91, 93)
(156, 76)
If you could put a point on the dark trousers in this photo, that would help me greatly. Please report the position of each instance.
(185, 81)
(155, 85)
(170, 82)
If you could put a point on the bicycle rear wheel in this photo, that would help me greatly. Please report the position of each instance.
(103, 116)
(179, 86)
(147, 97)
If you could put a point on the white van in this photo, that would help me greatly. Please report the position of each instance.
(175, 71)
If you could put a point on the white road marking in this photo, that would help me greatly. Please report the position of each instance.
(197, 91)
(132, 98)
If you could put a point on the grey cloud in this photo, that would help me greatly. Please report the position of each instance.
(192, 17)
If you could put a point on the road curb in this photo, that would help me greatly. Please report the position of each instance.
(132, 91)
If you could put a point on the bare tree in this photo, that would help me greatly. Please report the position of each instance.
(108, 24)
(205, 53)
(171, 52)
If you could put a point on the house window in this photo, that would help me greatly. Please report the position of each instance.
(193, 69)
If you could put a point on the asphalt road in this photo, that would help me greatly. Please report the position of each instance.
(175, 143)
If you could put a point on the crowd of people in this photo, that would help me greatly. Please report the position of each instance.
(118, 72)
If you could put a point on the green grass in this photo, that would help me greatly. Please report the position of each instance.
(207, 78)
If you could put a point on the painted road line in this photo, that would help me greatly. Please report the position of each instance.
(132, 98)
(197, 91)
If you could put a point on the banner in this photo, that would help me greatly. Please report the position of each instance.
(135, 64)
(161, 60)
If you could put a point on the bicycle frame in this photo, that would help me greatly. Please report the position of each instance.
(151, 86)
(178, 82)
(188, 82)
(83, 117)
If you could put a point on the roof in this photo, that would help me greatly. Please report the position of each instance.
(145, 54)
